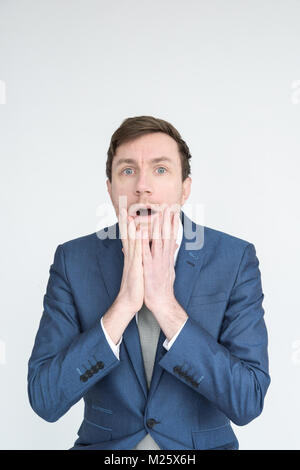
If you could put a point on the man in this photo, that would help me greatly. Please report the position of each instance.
(163, 338)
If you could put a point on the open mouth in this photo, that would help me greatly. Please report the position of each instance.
(145, 212)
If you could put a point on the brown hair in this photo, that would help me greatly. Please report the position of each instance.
(140, 125)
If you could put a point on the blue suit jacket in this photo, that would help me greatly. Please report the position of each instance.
(216, 370)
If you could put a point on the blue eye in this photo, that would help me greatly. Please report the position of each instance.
(161, 167)
(127, 169)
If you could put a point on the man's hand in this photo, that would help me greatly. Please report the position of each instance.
(158, 263)
(159, 274)
(131, 294)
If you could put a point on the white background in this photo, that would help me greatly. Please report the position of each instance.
(226, 75)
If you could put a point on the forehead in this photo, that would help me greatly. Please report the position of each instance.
(149, 148)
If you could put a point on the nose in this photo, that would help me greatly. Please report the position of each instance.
(143, 185)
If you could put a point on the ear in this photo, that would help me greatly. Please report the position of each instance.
(108, 185)
(186, 189)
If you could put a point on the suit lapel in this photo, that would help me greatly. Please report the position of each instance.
(111, 259)
(187, 269)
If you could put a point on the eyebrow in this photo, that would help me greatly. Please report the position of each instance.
(132, 161)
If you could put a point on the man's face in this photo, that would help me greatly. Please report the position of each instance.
(145, 181)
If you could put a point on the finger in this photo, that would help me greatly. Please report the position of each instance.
(138, 244)
(123, 226)
(172, 258)
(175, 225)
(131, 235)
(145, 246)
(166, 230)
(156, 236)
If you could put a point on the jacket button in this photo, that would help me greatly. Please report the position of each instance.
(83, 378)
(89, 373)
(100, 365)
(176, 369)
(151, 422)
(94, 369)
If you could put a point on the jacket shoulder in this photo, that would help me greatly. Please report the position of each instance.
(214, 237)
(82, 243)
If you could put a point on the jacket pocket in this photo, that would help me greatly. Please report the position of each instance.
(93, 433)
(96, 425)
(221, 438)
(207, 299)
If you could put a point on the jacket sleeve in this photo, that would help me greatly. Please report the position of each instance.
(65, 361)
(231, 372)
